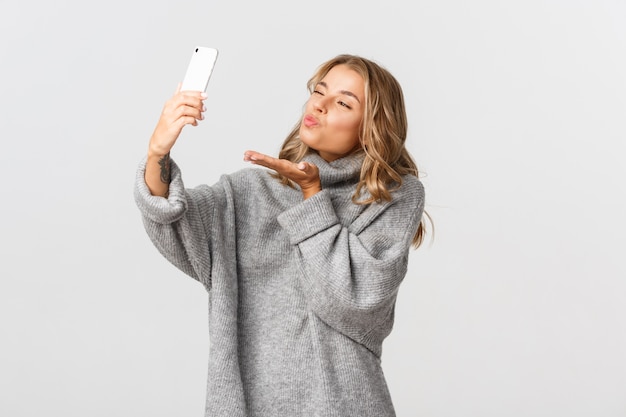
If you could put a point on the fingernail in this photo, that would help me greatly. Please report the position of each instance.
(203, 108)
(203, 95)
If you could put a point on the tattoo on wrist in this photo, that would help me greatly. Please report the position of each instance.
(164, 163)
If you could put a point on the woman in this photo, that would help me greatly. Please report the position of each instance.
(302, 262)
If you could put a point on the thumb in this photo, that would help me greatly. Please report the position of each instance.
(307, 167)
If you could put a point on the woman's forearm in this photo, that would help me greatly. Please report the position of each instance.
(158, 174)
(184, 108)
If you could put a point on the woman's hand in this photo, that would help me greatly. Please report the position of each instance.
(305, 174)
(184, 108)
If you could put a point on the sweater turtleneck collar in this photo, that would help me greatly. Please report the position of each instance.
(339, 170)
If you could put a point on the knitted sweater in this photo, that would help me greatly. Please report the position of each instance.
(301, 292)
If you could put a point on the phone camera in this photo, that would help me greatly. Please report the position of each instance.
(196, 49)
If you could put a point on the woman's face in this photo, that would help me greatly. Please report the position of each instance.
(333, 114)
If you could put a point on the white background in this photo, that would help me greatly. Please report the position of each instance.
(517, 121)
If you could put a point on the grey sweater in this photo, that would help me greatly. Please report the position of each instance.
(301, 292)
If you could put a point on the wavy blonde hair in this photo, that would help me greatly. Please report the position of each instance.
(383, 134)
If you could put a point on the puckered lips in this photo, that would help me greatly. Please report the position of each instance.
(310, 121)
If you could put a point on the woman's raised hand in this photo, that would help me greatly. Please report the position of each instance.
(184, 108)
(305, 174)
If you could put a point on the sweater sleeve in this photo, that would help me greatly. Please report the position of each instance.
(177, 225)
(351, 274)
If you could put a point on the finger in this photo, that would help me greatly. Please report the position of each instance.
(308, 168)
(196, 96)
(255, 156)
(182, 121)
(178, 88)
(194, 93)
(279, 165)
(192, 100)
(184, 111)
(181, 105)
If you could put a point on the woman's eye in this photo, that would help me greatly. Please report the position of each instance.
(317, 92)
(341, 103)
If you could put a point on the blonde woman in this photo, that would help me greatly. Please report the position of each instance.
(302, 262)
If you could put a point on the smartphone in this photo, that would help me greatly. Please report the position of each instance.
(199, 69)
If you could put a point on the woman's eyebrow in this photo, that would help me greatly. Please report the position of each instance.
(344, 92)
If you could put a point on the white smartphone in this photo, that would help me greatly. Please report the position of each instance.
(199, 69)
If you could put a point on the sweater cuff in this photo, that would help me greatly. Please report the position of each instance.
(160, 209)
(308, 218)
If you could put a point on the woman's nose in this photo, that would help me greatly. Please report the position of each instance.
(320, 104)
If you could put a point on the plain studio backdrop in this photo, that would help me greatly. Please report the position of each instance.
(517, 121)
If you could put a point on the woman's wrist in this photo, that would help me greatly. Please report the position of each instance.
(157, 152)
(311, 191)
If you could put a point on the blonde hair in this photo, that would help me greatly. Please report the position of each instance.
(383, 134)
